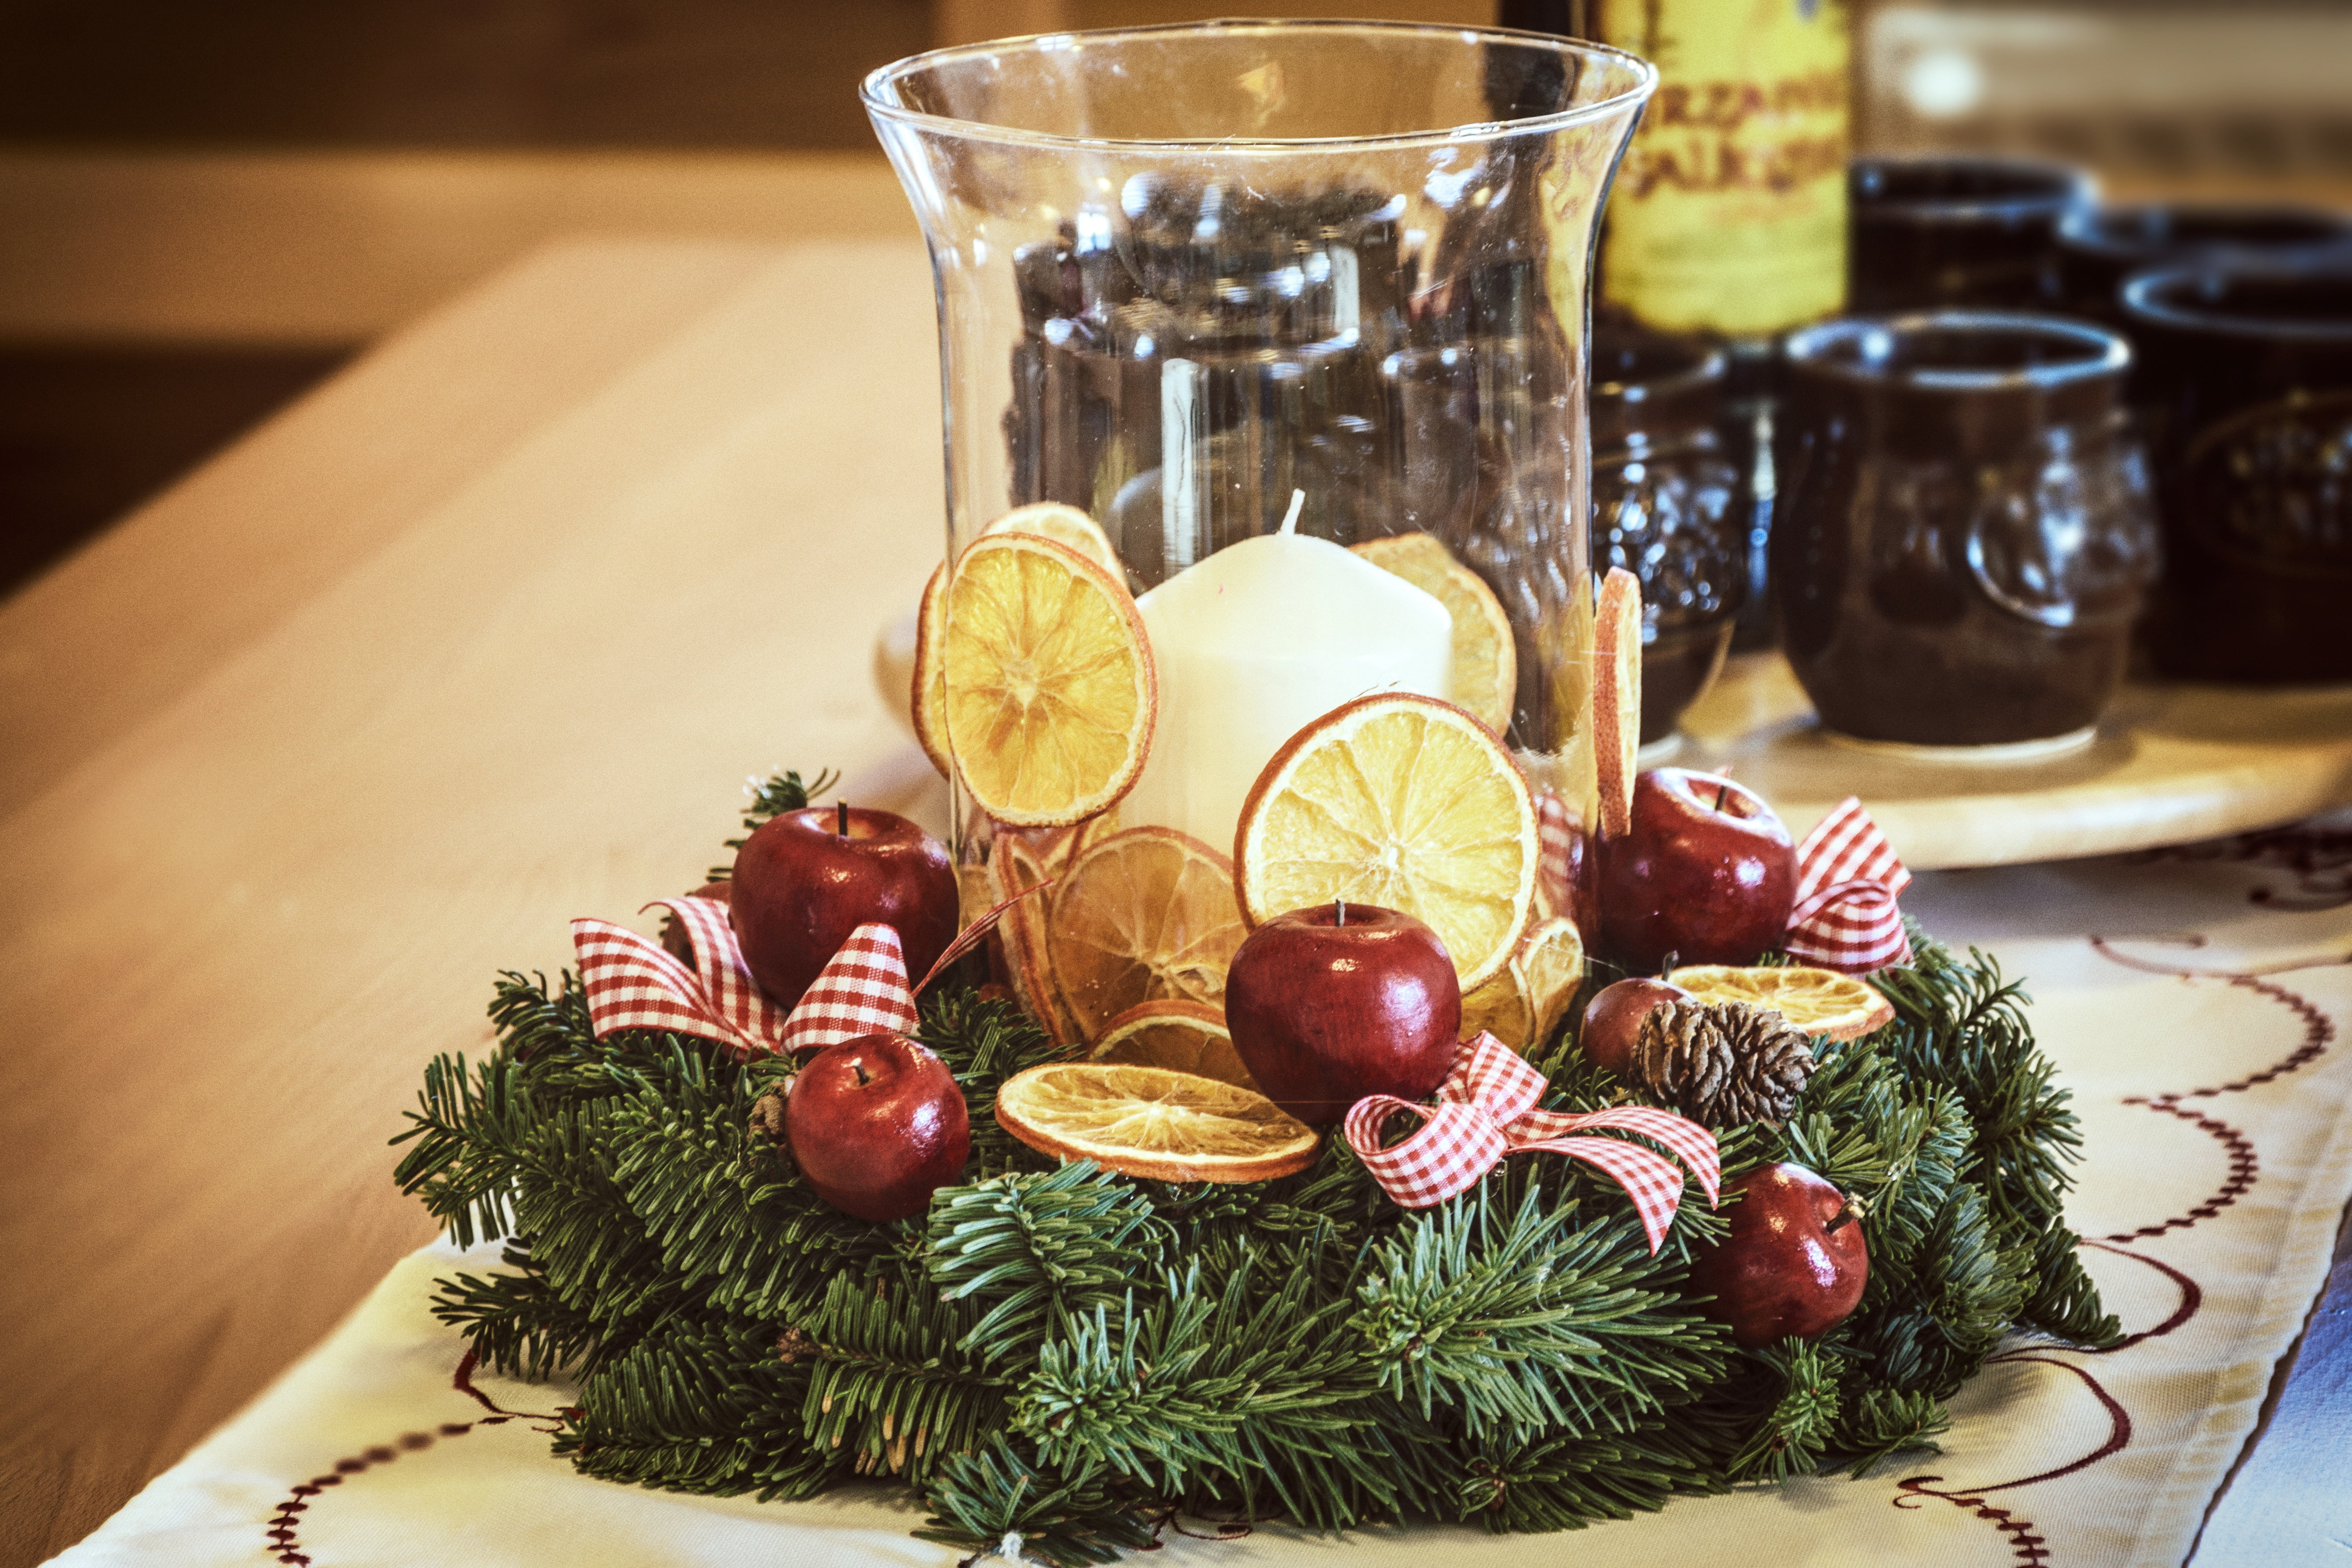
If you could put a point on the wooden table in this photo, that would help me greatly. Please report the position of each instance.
(482, 634)
(478, 637)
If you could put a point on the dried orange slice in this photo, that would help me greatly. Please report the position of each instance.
(1064, 525)
(1183, 1036)
(1485, 661)
(1617, 696)
(1502, 1008)
(1523, 1003)
(1818, 1001)
(1404, 801)
(1050, 696)
(1151, 1122)
(1551, 961)
(1020, 936)
(926, 703)
(1143, 915)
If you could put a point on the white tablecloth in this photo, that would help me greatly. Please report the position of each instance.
(2192, 1003)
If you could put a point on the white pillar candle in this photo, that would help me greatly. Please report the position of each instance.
(1254, 642)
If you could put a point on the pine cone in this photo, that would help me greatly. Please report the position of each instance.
(1720, 1063)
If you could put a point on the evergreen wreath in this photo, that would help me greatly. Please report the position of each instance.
(1068, 1354)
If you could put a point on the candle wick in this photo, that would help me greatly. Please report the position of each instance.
(1290, 518)
(841, 817)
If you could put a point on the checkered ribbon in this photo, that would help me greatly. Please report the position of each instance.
(1556, 858)
(1848, 876)
(633, 983)
(1486, 1109)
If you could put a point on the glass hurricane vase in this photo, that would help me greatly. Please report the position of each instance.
(1189, 276)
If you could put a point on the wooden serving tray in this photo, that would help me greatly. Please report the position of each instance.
(2169, 765)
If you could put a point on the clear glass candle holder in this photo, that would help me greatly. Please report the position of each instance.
(1189, 275)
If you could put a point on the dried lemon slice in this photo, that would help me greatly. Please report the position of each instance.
(1050, 697)
(1818, 1001)
(1064, 525)
(1403, 802)
(1183, 1036)
(929, 700)
(1143, 915)
(1485, 661)
(1151, 1122)
(1617, 696)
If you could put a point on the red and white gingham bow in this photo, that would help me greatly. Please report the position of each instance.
(1848, 876)
(633, 983)
(1486, 1111)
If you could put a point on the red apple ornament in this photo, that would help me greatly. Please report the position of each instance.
(1331, 1003)
(1613, 1019)
(805, 879)
(1794, 1264)
(1705, 872)
(878, 1125)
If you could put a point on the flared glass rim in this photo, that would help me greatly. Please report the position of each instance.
(2153, 299)
(872, 91)
(2105, 352)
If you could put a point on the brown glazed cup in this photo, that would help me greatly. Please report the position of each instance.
(2099, 249)
(1666, 507)
(1962, 536)
(2245, 378)
(1956, 232)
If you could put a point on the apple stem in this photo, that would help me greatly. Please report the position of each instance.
(841, 817)
(1844, 1216)
(1721, 793)
(1339, 908)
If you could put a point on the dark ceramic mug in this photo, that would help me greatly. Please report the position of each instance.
(2100, 247)
(1949, 232)
(1666, 506)
(2246, 378)
(1962, 536)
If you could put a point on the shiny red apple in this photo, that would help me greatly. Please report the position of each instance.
(1795, 1262)
(805, 879)
(1705, 872)
(1331, 1003)
(878, 1125)
(1613, 1019)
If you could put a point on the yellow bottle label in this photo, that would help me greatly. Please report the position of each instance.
(1729, 213)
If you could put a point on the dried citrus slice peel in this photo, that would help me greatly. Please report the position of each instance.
(1142, 916)
(1551, 959)
(1154, 1123)
(1064, 525)
(1404, 801)
(929, 700)
(1183, 1036)
(1049, 693)
(1818, 1001)
(1617, 696)
(1020, 936)
(1485, 661)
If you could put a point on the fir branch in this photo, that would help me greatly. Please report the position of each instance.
(1883, 1422)
(1036, 1249)
(977, 1499)
(892, 1387)
(516, 1323)
(1520, 1322)
(1803, 1420)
